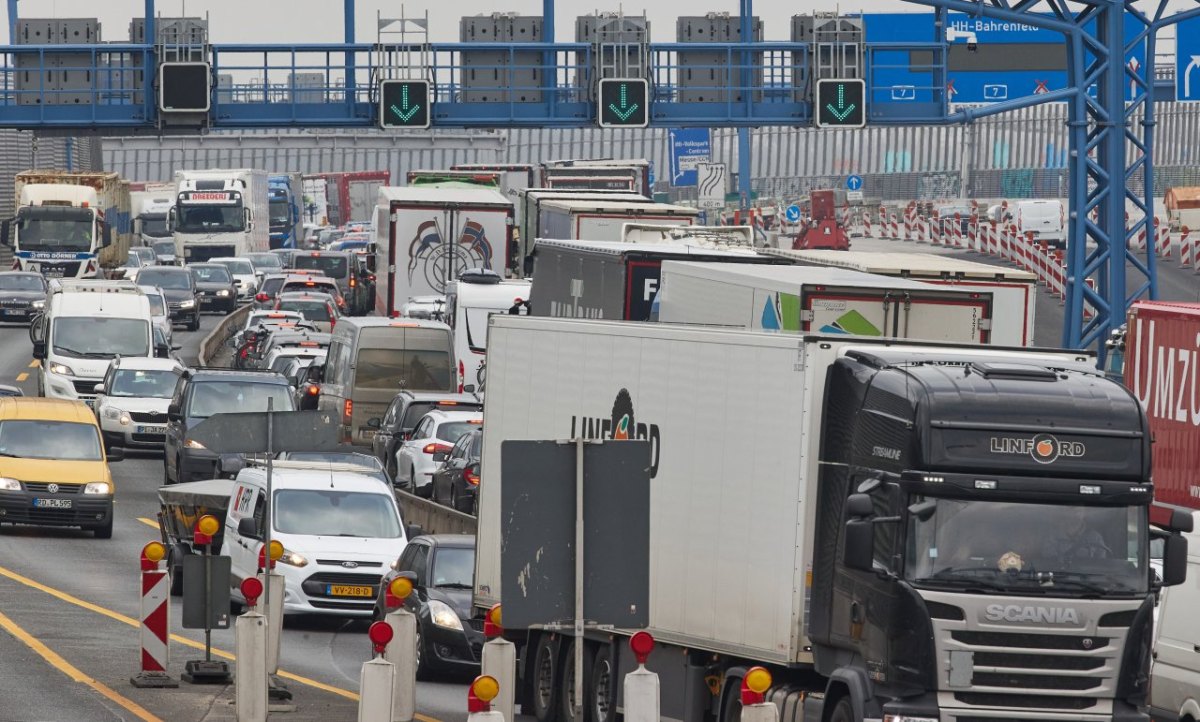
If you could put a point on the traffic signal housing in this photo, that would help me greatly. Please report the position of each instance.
(405, 103)
(624, 103)
(841, 103)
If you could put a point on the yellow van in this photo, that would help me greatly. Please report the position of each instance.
(53, 469)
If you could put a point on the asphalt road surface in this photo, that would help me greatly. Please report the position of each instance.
(69, 606)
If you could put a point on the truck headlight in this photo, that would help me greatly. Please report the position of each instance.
(7, 484)
(61, 369)
(114, 414)
(444, 616)
(98, 487)
(190, 303)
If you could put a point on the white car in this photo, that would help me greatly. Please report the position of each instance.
(277, 359)
(132, 400)
(158, 311)
(427, 447)
(340, 531)
(243, 272)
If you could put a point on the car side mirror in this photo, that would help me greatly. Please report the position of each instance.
(375, 423)
(117, 453)
(469, 388)
(174, 415)
(248, 528)
(99, 388)
(1175, 562)
(176, 347)
(440, 456)
(161, 350)
(39, 350)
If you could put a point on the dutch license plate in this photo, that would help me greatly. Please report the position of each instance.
(343, 590)
(52, 503)
(151, 429)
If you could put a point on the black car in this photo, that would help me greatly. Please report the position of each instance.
(179, 288)
(402, 415)
(218, 291)
(22, 296)
(456, 481)
(204, 392)
(448, 638)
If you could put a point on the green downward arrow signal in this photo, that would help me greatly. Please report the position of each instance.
(405, 112)
(842, 111)
(626, 110)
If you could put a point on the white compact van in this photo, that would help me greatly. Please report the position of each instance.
(1175, 674)
(1047, 220)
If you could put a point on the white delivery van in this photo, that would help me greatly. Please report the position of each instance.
(473, 297)
(1175, 674)
(88, 323)
(1047, 220)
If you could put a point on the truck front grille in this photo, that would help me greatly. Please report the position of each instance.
(1029, 641)
(1028, 701)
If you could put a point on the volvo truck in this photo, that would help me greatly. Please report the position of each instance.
(220, 213)
(896, 530)
(69, 225)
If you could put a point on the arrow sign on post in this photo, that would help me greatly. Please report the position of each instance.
(405, 112)
(839, 103)
(623, 103)
(404, 103)
(842, 110)
(626, 109)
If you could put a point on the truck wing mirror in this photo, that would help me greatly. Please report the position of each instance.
(859, 550)
(859, 506)
(1181, 521)
(4, 230)
(1175, 562)
(39, 350)
(869, 485)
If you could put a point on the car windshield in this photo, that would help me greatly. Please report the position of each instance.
(1025, 548)
(337, 457)
(29, 439)
(333, 266)
(212, 274)
(133, 260)
(20, 282)
(241, 268)
(91, 337)
(210, 219)
(454, 567)
(55, 229)
(451, 431)
(312, 310)
(164, 248)
(382, 368)
(268, 261)
(329, 512)
(271, 285)
(146, 254)
(143, 384)
(155, 226)
(178, 280)
(158, 307)
(227, 397)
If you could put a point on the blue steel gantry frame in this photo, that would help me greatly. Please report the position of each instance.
(762, 83)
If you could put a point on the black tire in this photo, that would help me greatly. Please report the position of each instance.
(166, 472)
(177, 580)
(843, 711)
(194, 324)
(602, 701)
(422, 491)
(566, 695)
(544, 677)
(106, 531)
(390, 465)
(424, 673)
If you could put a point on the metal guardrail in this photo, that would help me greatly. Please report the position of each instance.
(433, 518)
(214, 342)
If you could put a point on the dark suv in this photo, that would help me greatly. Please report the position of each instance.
(204, 392)
(179, 289)
(402, 415)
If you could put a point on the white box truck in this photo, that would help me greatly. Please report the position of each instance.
(427, 236)
(602, 220)
(596, 173)
(220, 213)
(807, 299)
(862, 517)
(69, 225)
(529, 207)
(1014, 292)
(150, 204)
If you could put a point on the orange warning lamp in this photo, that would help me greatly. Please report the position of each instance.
(276, 554)
(492, 627)
(397, 591)
(755, 685)
(206, 528)
(153, 553)
(481, 693)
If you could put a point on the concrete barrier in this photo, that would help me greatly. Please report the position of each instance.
(214, 342)
(433, 518)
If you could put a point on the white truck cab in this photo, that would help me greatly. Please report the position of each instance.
(474, 296)
(86, 324)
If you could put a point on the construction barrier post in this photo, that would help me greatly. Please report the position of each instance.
(755, 707)
(155, 626)
(377, 679)
(250, 646)
(642, 691)
(402, 651)
(500, 662)
(479, 700)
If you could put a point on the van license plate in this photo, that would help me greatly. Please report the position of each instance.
(151, 429)
(341, 590)
(52, 503)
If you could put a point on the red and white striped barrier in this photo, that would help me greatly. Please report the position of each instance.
(1162, 239)
(1187, 253)
(1088, 311)
(156, 587)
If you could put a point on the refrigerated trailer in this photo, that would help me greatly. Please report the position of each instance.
(1014, 292)
(602, 220)
(606, 173)
(865, 518)
(807, 299)
(529, 206)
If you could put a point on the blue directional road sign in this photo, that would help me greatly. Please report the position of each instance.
(1187, 60)
(689, 146)
(792, 214)
(854, 183)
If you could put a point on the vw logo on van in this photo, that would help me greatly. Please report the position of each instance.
(52, 488)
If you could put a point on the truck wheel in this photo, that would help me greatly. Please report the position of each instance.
(545, 679)
(843, 712)
(603, 701)
(566, 694)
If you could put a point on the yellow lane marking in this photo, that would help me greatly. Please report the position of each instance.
(34, 364)
(148, 522)
(175, 637)
(72, 671)
(22, 376)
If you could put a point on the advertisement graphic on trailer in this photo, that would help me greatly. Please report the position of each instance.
(429, 257)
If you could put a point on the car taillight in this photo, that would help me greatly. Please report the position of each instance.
(313, 390)
(470, 477)
(347, 411)
(371, 278)
(261, 297)
(435, 448)
(353, 282)
(462, 376)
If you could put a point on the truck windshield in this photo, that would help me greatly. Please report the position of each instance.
(1029, 548)
(280, 214)
(225, 218)
(164, 248)
(88, 337)
(55, 229)
(329, 512)
(155, 226)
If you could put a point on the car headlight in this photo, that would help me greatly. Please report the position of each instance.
(190, 303)
(443, 616)
(193, 444)
(223, 292)
(61, 369)
(7, 484)
(292, 559)
(98, 487)
(39, 304)
(114, 414)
